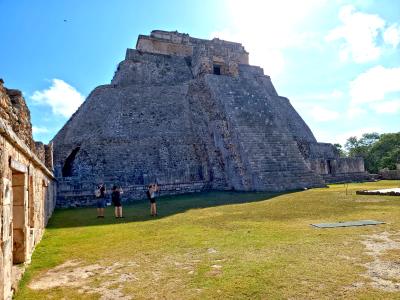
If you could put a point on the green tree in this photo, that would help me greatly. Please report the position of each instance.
(340, 150)
(378, 151)
(360, 147)
(368, 139)
(385, 153)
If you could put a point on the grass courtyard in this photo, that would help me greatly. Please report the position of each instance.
(224, 245)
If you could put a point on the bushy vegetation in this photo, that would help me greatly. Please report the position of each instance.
(378, 151)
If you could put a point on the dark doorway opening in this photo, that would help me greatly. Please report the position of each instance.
(217, 70)
(329, 166)
(69, 163)
(19, 217)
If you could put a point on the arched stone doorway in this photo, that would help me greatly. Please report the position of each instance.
(67, 169)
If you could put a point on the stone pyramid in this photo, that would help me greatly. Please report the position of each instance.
(192, 115)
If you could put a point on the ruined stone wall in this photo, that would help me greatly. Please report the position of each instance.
(227, 56)
(314, 150)
(151, 45)
(149, 69)
(172, 36)
(390, 174)
(203, 54)
(339, 169)
(40, 151)
(15, 113)
(324, 159)
(27, 200)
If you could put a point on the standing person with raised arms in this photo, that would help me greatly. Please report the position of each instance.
(151, 194)
(116, 200)
(100, 194)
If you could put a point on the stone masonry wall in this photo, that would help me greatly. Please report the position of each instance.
(152, 45)
(390, 174)
(14, 111)
(27, 200)
(203, 54)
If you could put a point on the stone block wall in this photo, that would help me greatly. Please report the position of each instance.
(390, 174)
(324, 159)
(225, 55)
(203, 54)
(27, 194)
(150, 69)
(339, 169)
(15, 113)
(154, 45)
(82, 194)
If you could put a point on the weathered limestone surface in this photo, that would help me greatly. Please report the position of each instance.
(192, 115)
(390, 174)
(27, 189)
(14, 111)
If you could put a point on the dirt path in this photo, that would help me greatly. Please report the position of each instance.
(384, 269)
(73, 274)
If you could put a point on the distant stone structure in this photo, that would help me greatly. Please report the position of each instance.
(192, 115)
(27, 189)
(390, 174)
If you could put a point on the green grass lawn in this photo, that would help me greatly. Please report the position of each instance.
(218, 245)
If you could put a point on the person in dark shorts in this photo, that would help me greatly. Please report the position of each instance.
(100, 194)
(116, 200)
(151, 194)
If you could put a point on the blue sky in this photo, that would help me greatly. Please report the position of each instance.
(337, 61)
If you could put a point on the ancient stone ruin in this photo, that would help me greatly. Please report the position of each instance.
(192, 115)
(390, 174)
(27, 189)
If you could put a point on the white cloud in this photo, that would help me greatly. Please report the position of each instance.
(359, 32)
(373, 89)
(386, 107)
(38, 130)
(321, 114)
(260, 26)
(374, 85)
(391, 36)
(355, 112)
(329, 96)
(63, 99)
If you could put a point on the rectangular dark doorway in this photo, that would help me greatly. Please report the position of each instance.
(217, 70)
(329, 166)
(19, 217)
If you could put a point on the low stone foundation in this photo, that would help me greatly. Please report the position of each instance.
(82, 195)
(384, 192)
(347, 177)
(390, 174)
